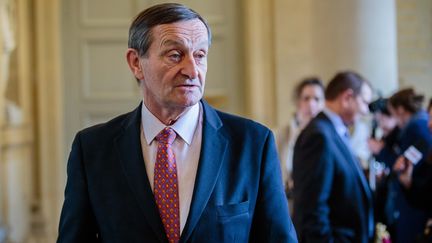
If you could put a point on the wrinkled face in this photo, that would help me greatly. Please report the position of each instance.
(174, 70)
(356, 106)
(311, 101)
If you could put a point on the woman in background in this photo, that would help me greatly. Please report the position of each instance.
(418, 182)
(383, 148)
(309, 101)
(406, 107)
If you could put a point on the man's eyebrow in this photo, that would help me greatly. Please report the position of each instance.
(170, 42)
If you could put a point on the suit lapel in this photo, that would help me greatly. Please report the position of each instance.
(351, 159)
(354, 163)
(129, 151)
(213, 149)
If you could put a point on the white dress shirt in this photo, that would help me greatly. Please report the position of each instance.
(186, 147)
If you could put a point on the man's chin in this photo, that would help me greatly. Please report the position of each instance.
(185, 103)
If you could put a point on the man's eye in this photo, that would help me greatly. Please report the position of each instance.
(200, 57)
(175, 57)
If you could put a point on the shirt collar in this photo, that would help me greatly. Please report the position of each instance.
(184, 127)
(337, 122)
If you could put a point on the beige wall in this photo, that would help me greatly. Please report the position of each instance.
(414, 18)
(294, 57)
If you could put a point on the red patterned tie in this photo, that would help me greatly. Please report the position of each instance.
(166, 184)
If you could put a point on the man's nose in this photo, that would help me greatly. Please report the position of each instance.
(190, 68)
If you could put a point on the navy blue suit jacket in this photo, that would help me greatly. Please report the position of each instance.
(238, 194)
(419, 195)
(411, 221)
(332, 201)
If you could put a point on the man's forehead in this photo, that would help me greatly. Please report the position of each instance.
(194, 28)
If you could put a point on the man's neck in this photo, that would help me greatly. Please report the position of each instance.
(336, 108)
(333, 107)
(165, 115)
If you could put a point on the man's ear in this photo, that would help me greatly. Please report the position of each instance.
(133, 60)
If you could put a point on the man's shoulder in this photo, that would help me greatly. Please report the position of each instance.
(319, 124)
(319, 130)
(238, 123)
(234, 127)
(109, 128)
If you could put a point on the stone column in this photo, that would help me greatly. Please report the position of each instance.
(259, 60)
(359, 35)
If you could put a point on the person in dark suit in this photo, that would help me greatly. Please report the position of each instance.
(174, 169)
(332, 199)
(406, 106)
(416, 178)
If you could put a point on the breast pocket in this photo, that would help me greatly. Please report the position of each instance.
(234, 222)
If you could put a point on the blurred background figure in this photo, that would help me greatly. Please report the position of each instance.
(405, 106)
(430, 121)
(384, 148)
(429, 109)
(416, 178)
(360, 133)
(309, 101)
(385, 132)
(332, 198)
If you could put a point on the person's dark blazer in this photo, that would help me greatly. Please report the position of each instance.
(411, 217)
(419, 194)
(238, 194)
(416, 131)
(332, 200)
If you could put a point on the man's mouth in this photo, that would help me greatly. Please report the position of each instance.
(187, 86)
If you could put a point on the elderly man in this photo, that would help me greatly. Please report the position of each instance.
(174, 169)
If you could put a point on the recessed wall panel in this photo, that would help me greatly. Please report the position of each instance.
(106, 12)
(105, 71)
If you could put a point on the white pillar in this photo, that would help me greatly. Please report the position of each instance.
(359, 35)
(259, 60)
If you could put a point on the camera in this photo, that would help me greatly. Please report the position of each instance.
(379, 105)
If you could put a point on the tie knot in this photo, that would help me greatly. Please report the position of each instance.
(167, 136)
